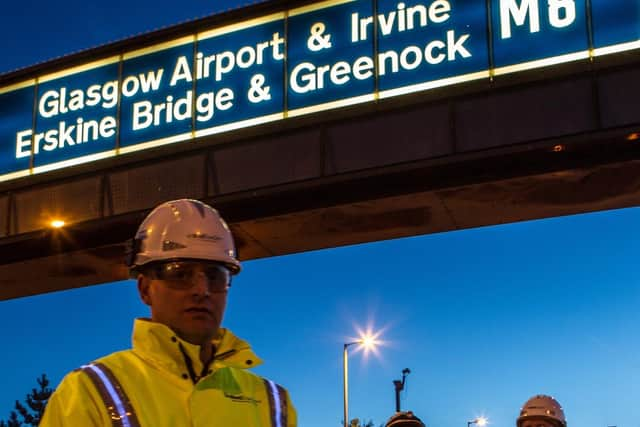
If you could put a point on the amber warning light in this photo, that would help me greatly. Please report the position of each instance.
(56, 223)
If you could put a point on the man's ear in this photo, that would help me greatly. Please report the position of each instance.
(144, 289)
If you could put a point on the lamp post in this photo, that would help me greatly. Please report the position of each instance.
(367, 341)
(480, 421)
(345, 380)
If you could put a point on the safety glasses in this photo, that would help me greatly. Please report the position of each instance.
(184, 274)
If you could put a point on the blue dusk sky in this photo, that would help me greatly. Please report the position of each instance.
(484, 318)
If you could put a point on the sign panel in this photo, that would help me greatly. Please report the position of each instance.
(532, 30)
(241, 76)
(616, 25)
(156, 100)
(313, 58)
(426, 45)
(75, 117)
(16, 121)
(325, 64)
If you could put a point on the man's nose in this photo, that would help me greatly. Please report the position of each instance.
(200, 283)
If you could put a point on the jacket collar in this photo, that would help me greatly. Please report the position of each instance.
(158, 343)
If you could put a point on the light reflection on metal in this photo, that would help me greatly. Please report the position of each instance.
(330, 105)
(239, 125)
(542, 63)
(16, 86)
(240, 26)
(616, 48)
(158, 47)
(15, 175)
(434, 84)
(73, 162)
(155, 143)
(78, 69)
(317, 6)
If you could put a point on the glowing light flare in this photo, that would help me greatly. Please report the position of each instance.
(56, 223)
(369, 341)
(633, 136)
(482, 421)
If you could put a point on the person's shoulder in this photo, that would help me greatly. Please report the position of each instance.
(118, 360)
(251, 376)
(81, 376)
(77, 379)
(116, 356)
(110, 360)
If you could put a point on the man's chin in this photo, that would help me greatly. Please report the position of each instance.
(198, 335)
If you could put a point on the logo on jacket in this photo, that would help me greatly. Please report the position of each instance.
(241, 399)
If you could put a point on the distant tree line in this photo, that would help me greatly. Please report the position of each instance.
(30, 413)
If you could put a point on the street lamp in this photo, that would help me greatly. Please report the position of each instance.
(366, 341)
(480, 421)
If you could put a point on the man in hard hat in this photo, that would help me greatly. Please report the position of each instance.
(404, 419)
(183, 369)
(541, 411)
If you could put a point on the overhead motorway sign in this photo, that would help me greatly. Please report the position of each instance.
(290, 63)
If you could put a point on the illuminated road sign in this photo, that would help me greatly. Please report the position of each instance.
(296, 62)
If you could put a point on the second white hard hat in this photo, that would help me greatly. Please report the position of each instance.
(404, 419)
(542, 406)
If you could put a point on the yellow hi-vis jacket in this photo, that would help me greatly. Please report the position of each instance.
(161, 382)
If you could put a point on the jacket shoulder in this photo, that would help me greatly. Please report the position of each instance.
(269, 385)
(118, 358)
(74, 402)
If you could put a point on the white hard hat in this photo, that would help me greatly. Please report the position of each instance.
(183, 229)
(542, 406)
(404, 419)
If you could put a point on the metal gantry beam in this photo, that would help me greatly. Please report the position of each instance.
(538, 147)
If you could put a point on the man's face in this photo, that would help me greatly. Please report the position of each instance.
(188, 296)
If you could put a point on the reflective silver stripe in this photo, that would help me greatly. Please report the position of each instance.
(277, 404)
(115, 399)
